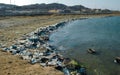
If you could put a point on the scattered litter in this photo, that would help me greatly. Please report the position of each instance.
(28, 47)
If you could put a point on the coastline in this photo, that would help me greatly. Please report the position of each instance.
(29, 47)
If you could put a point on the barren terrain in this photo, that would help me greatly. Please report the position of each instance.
(12, 28)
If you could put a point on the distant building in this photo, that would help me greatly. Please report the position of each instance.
(76, 12)
(65, 11)
(55, 11)
(59, 11)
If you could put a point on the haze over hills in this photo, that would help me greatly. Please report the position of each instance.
(53, 8)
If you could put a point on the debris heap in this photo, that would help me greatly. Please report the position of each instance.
(34, 48)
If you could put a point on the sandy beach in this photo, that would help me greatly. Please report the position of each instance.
(12, 28)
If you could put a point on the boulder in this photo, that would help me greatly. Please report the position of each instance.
(91, 51)
(117, 60)
(5, 49)
(33, 61)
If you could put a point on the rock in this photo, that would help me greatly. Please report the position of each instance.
(66, 71)
(22, 42)
(51, 28)
(33, 61)
(41, 54)
(28, 48)
(43, 64)
(66, 60)
(91, 51)
(26, 57)
(2, 46)
(34, 38)
(13, 47)
(117, 60)
(44, 60)
(5, 49)
(51, 47)
(21, 48)
(59, 63)
(53, 62)
(59, 68)
(48, 52)
(14, 52)
(45, 38)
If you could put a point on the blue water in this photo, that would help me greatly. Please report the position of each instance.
(101, 34)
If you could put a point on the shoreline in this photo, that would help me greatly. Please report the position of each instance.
(32, 30)
(49, 56)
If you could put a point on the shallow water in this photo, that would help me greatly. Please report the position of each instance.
(101, 34)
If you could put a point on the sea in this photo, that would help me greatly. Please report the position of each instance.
(101, 34)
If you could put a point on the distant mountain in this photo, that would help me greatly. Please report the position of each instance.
(53, 6)
(36, 9)
(6, 6)
(45, 6)
(77, 7)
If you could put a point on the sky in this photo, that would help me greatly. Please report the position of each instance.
(104, 4)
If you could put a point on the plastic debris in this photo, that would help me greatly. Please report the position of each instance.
(28, 48)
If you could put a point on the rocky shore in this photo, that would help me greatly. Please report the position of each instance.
(34, 48)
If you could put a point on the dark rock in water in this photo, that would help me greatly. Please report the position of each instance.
(52, 47)
(91, 51)
(60, 24)
(45, 38)
(117, 60)
(52, 28)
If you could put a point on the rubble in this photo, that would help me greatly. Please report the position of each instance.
(28, 47)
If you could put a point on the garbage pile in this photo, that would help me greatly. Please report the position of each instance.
(29, 47)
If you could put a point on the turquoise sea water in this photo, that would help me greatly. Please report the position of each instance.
(101, 34)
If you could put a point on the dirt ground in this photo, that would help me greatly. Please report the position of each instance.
(12, 28)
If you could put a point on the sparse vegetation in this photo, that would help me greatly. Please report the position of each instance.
(12, 28)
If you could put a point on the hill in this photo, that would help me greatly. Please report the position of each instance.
(40, 9)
